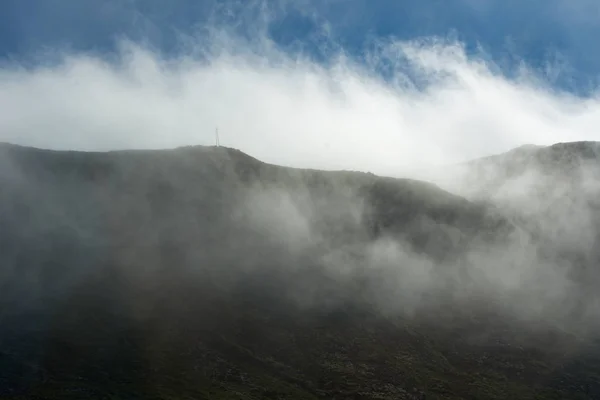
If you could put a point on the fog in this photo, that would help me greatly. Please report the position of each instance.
(521, 275)
(438, 106)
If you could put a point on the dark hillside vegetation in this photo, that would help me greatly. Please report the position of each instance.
(203, 273)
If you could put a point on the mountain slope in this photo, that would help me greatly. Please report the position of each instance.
(553, 192)
(205, 273)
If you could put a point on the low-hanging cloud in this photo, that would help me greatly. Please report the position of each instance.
(434, 105)
(289, 109)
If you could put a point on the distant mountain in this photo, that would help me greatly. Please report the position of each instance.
(201, 272)
(553, 191)
(533, 169)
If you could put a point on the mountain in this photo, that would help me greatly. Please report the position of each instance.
(553, 192)
(533, 169)
(202, 272)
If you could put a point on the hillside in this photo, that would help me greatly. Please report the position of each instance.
(202, 272)
(553, 192)
(530, 168)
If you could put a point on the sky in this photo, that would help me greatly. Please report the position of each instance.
(378, 85)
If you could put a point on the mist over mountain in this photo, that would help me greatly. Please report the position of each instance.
(553, 192)
(204, 272)
(234, 272)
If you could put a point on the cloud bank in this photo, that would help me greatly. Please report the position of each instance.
(433, 105)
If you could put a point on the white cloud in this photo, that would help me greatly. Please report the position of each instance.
(289, 110)
(292, 111)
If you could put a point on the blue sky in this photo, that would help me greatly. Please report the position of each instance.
(360, 84)
(555, 32)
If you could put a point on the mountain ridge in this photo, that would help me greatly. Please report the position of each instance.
(205, 273)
